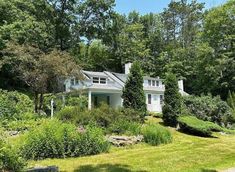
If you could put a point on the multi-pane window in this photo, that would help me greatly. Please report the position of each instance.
(98, 80)
(102, 80)
(149, 99)
(153, 83)
(72, 81)
(95, 79)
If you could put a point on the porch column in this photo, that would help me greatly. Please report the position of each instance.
(89, 99)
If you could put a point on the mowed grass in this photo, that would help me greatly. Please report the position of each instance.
(185, 154)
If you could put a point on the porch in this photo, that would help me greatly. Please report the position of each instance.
(95, 98)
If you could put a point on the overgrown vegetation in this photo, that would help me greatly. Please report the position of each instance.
(104, 116)
(209, 108)
(155, 134)
(14, 105)
(10, 159)
(54, 139)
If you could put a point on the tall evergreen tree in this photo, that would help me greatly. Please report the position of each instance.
(172, 101)
(133, 92)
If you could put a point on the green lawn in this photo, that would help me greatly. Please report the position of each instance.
(186, 154)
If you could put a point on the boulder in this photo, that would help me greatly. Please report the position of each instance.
(124, 140)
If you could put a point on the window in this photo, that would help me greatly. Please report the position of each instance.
(153, 83)
(157, 83)
(98, 80)
(102, 80)
(76, 81)
(108, 100)
(72, 81)
(161, 99)
(95, 80)
(149, 99)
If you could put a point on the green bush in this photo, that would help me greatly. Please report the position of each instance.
(21, 125)
(195, 126)
(54, 139)
(208, 108)
(123, 126)
(81, 102)
(103, 116)
(13, 104)
(155, 134)
(10, 159)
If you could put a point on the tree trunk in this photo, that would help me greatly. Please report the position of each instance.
(41, 101)
(36, 102)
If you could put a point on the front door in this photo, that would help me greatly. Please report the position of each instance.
(153, 103)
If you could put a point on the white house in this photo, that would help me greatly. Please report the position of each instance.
(107, 87)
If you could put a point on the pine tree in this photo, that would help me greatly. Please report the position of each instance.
(133, 92)
(172, 101)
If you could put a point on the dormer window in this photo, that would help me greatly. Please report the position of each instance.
(99, 80)
(153, 83)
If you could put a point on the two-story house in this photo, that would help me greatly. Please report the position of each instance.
(107, 87)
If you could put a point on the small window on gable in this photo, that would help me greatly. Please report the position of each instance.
(72, 81)
(102, 80)
(76, 81)
(149, 99)
(157, 83)
(95, 79)
(153, 83)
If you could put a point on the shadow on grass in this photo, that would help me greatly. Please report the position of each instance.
(197, 134)
(208, 170)
(105, 167)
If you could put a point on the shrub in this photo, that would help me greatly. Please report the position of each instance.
(21, 125)
(155, 134)
(92, 142)
(195, 126)
(103, 116)
(208, 108)
(13, 104)
(9, 158)
(55, 139)
(81, 102)
(172, 101)
(123, 126)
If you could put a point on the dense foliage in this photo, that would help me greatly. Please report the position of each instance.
(55, 139)
(194, 43)
(13, 105)
(193, 125)
(10, 159)
(172, 101)
(209, 108)
(104, 116)
(133, 92)
(155, 134)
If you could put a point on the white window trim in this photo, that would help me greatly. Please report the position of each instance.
(99, 78)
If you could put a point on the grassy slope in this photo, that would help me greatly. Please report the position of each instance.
(186, 154)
